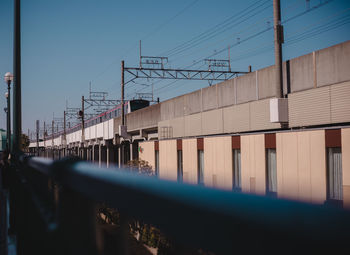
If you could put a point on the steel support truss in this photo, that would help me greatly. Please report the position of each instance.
(179, 74)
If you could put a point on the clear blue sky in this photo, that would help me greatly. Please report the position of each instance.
(68, 43)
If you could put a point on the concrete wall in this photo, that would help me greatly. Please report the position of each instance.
(116, 124)
(325, 105)
(190, 162)
(301, 166)
(253, 164)
(168, 160)
(218, 162)
(333, 64)
(193, 125)
(236, 118)
(266, 79)
(143, 118)
(99, 130)
(324, 67)
(345, 141)
(212, 122)
(246, 88)
(193, 102)
(250, 116)
(226, 93)
(301, 73)
(209, 98)
(147, 153)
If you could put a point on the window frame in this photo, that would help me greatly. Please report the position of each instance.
(180, 168)
(200, 167)
(236, 153)
(269, 190)
(332, 199)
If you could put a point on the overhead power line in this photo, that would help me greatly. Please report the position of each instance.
(267, 29)
(234, 20)
(147, 36)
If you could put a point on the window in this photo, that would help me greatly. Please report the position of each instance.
(179, 166)
(200, 167)
(236, 167)
(334, 175)
(271, 172)
(156, 168)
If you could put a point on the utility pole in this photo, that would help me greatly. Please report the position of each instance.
(82, 127)
(37, 137)
(64, 125)
(122, 92)
(52, 142)
(44, 137)
(17, 105)
(8, 118)
(82, 120)
(278, 30)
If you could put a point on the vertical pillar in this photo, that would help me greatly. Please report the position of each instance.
(131, 154)
(99, 154)
(93, 153)
(119, 156)
(278, 31)
(122, 93)
(107, 156)
(17, 98)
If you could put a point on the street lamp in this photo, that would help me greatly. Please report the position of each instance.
(8, 80)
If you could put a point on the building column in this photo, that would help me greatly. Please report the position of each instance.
(131, 154)
(119, 156)
(99, 154)
(107, 152)
(93, 153)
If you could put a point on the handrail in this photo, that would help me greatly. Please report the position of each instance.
(217, 220)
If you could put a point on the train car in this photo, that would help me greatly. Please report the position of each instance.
(130, 106)
(136, 104)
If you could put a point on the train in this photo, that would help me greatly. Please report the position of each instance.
(130, 106)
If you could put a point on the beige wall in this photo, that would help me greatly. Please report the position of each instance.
(147, 153)
(345, 142)
(190, 162)
(218, 162)
(253, 163)
(168, 160)
(301, 165)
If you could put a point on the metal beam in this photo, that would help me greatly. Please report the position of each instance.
(180, 74)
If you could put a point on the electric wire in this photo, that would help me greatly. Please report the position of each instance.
(263, 31)
(240, 19)
(210, 30)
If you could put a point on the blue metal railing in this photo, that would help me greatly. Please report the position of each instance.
(56, 201)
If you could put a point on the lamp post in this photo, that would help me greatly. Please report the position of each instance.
(8, 80)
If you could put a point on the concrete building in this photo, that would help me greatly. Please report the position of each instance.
(236, 135)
